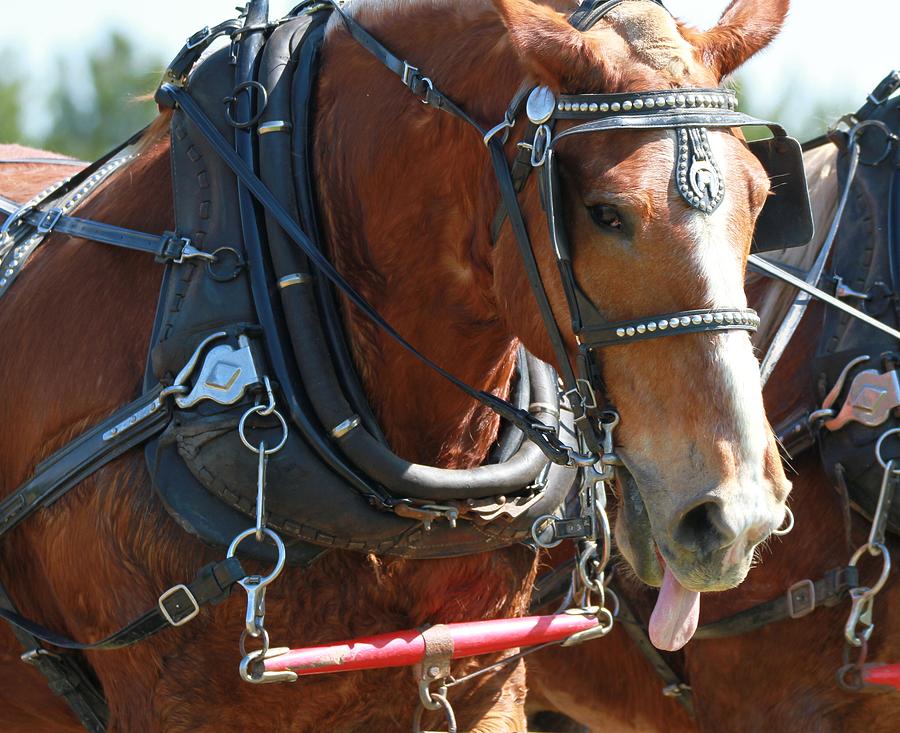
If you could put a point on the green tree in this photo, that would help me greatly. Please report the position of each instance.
(10, 102)
(87, 122)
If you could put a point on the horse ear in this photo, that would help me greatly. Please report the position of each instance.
(555, 54)
(746, 26)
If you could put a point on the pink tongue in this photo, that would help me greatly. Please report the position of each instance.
(675, 616)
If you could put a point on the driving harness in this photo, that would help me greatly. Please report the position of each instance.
(252, 407)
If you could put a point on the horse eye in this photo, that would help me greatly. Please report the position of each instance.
(606, 217)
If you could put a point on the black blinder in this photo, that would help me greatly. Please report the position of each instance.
(786, 219)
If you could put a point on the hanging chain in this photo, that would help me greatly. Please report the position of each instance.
(860, 623)
(251, 666)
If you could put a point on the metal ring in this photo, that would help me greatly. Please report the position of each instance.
(617, 606)
(885, 434)
(229, 103)
(261, 652)
(534, 531)
(540, 145)
(608, 615)
(790, 524)
(890, 139)
(595, 585)
(262, 410)
(885, 567)
(279, 545)
(216, 255)
(444, 703)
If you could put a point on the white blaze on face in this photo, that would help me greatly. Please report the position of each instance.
(737, 369)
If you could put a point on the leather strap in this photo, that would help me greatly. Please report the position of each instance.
(801, 599)
(65, 676)
(77, 460)
(165, 247)
(590, 12)
(175, 607)
(180, 67)
(675, 686)
(416, 81)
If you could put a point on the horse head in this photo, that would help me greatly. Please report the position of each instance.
(702, 483)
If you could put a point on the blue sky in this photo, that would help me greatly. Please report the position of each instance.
(830, 50)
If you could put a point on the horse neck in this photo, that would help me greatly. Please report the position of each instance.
(406, 197)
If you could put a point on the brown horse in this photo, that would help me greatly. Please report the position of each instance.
(781, 677)
(408, 201)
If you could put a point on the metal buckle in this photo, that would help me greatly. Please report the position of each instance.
(176, 617)
(190, 252)
(409, 73)
(32, 656)
(13, 218)
(198, 38)
(50, 220)
(676, 689)
(801, 598)
(428, 513)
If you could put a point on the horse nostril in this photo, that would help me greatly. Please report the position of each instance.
(703, 529)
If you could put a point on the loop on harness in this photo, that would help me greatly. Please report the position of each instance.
(261, 106)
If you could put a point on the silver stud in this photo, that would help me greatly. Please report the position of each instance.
(679, 98)
(583, 107)
(660, 101)
(685, 320)
(3, 282)
(651, 327)
(673, 323)
(593, 107)
(604, 107)
(629, 331)
(626, 106)
(9, 272)
(670, 100)
(561, 106)
(639, 104)
(696, 320)
(650, 103)
(615, 106)
(729, 318)
(718, 318)
(641, 328)
(663, 325)
(620, 332)
(708, 318)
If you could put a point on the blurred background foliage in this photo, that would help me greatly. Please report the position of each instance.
(91, 106)
(94, 103)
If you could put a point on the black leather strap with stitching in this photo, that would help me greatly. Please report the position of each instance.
(165, 246)
(176, 606)
(80, 458)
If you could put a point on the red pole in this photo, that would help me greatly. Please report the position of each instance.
(403, 648)
(886, 675)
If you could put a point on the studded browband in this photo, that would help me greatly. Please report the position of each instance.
(698, 179)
